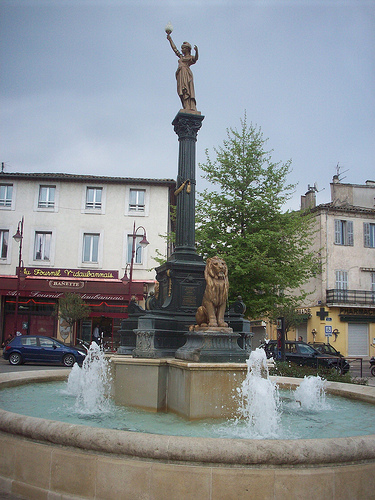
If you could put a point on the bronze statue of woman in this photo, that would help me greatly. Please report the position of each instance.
(184, 75)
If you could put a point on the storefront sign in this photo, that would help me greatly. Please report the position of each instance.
(66, 284)
(46, 272)
(98, 296)
(356, 311)
(35, 294)
(304, 310)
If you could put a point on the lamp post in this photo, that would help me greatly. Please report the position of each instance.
(18, 237)
(143, 244)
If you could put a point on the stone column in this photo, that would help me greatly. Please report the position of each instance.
(186, 126)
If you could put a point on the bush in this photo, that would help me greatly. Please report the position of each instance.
(288, 369)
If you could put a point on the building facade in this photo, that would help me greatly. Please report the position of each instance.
(77, 236)
(341, 306)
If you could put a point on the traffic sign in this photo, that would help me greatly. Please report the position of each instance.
(328, 330)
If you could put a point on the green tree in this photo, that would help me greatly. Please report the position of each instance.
(292, 318)
(266, 248)
(71, 308)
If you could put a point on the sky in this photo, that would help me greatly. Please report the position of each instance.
(88, 86)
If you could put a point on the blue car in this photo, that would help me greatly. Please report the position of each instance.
(38, 349)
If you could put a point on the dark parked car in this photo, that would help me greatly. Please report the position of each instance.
(38, 349)
(305, 355)
(326, 349)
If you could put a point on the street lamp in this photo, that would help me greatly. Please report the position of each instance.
(18, 237)
(143, 244)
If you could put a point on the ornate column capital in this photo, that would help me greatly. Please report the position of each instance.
(187, 125)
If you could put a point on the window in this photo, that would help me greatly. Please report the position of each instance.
(137, 200)
(94, 198)
(47, 342)
(90, 248)
(344, 232)
(138, 254)
(42, 246)
(46, 197)
(341, 284)
(6, 191)
(4, 239)
(369, 234)
(29, 341)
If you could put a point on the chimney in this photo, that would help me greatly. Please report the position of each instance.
(309, 199)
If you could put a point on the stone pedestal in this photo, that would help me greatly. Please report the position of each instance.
(212, 345)
(191, 390)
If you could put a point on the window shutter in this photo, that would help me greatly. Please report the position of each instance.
(338, 232)
(366, 234)
(341, 280)
(344, 280)
(349, 233)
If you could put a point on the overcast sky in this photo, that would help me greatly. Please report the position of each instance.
(88, 86)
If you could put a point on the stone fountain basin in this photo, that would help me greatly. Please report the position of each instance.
(41, 458)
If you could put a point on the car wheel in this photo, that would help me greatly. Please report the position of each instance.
(373, 371)
(69, 360)
(15, 358)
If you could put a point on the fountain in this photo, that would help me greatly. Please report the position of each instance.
(263, 411)
(259, 397)
(91, 462)
(45, 458)
(91, 384)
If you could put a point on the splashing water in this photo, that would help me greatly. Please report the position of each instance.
(310, 394)
(91, 384)
(259, 398)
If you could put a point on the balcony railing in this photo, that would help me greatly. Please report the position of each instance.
(354, 297)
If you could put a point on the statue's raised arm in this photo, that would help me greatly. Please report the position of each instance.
(174, 48)
(184, 75)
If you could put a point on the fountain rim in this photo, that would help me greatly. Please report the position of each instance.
(182, 449)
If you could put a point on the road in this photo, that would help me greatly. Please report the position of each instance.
(5, 367)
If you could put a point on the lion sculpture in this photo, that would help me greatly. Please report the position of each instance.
(211, 312)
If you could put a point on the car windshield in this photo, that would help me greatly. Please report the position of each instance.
(305, 349)
(330, 349)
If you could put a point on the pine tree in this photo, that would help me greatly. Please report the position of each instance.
(266, 248)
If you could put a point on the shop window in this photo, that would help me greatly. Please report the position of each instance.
(90, 248)
(4, 239)
(46, 197)
(137, 200)
(369, 234)
(344, 232)
(6, 193)
(42, 246)
(94, 198)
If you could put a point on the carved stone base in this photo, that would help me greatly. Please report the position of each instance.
(212, 345)
(157, 336)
